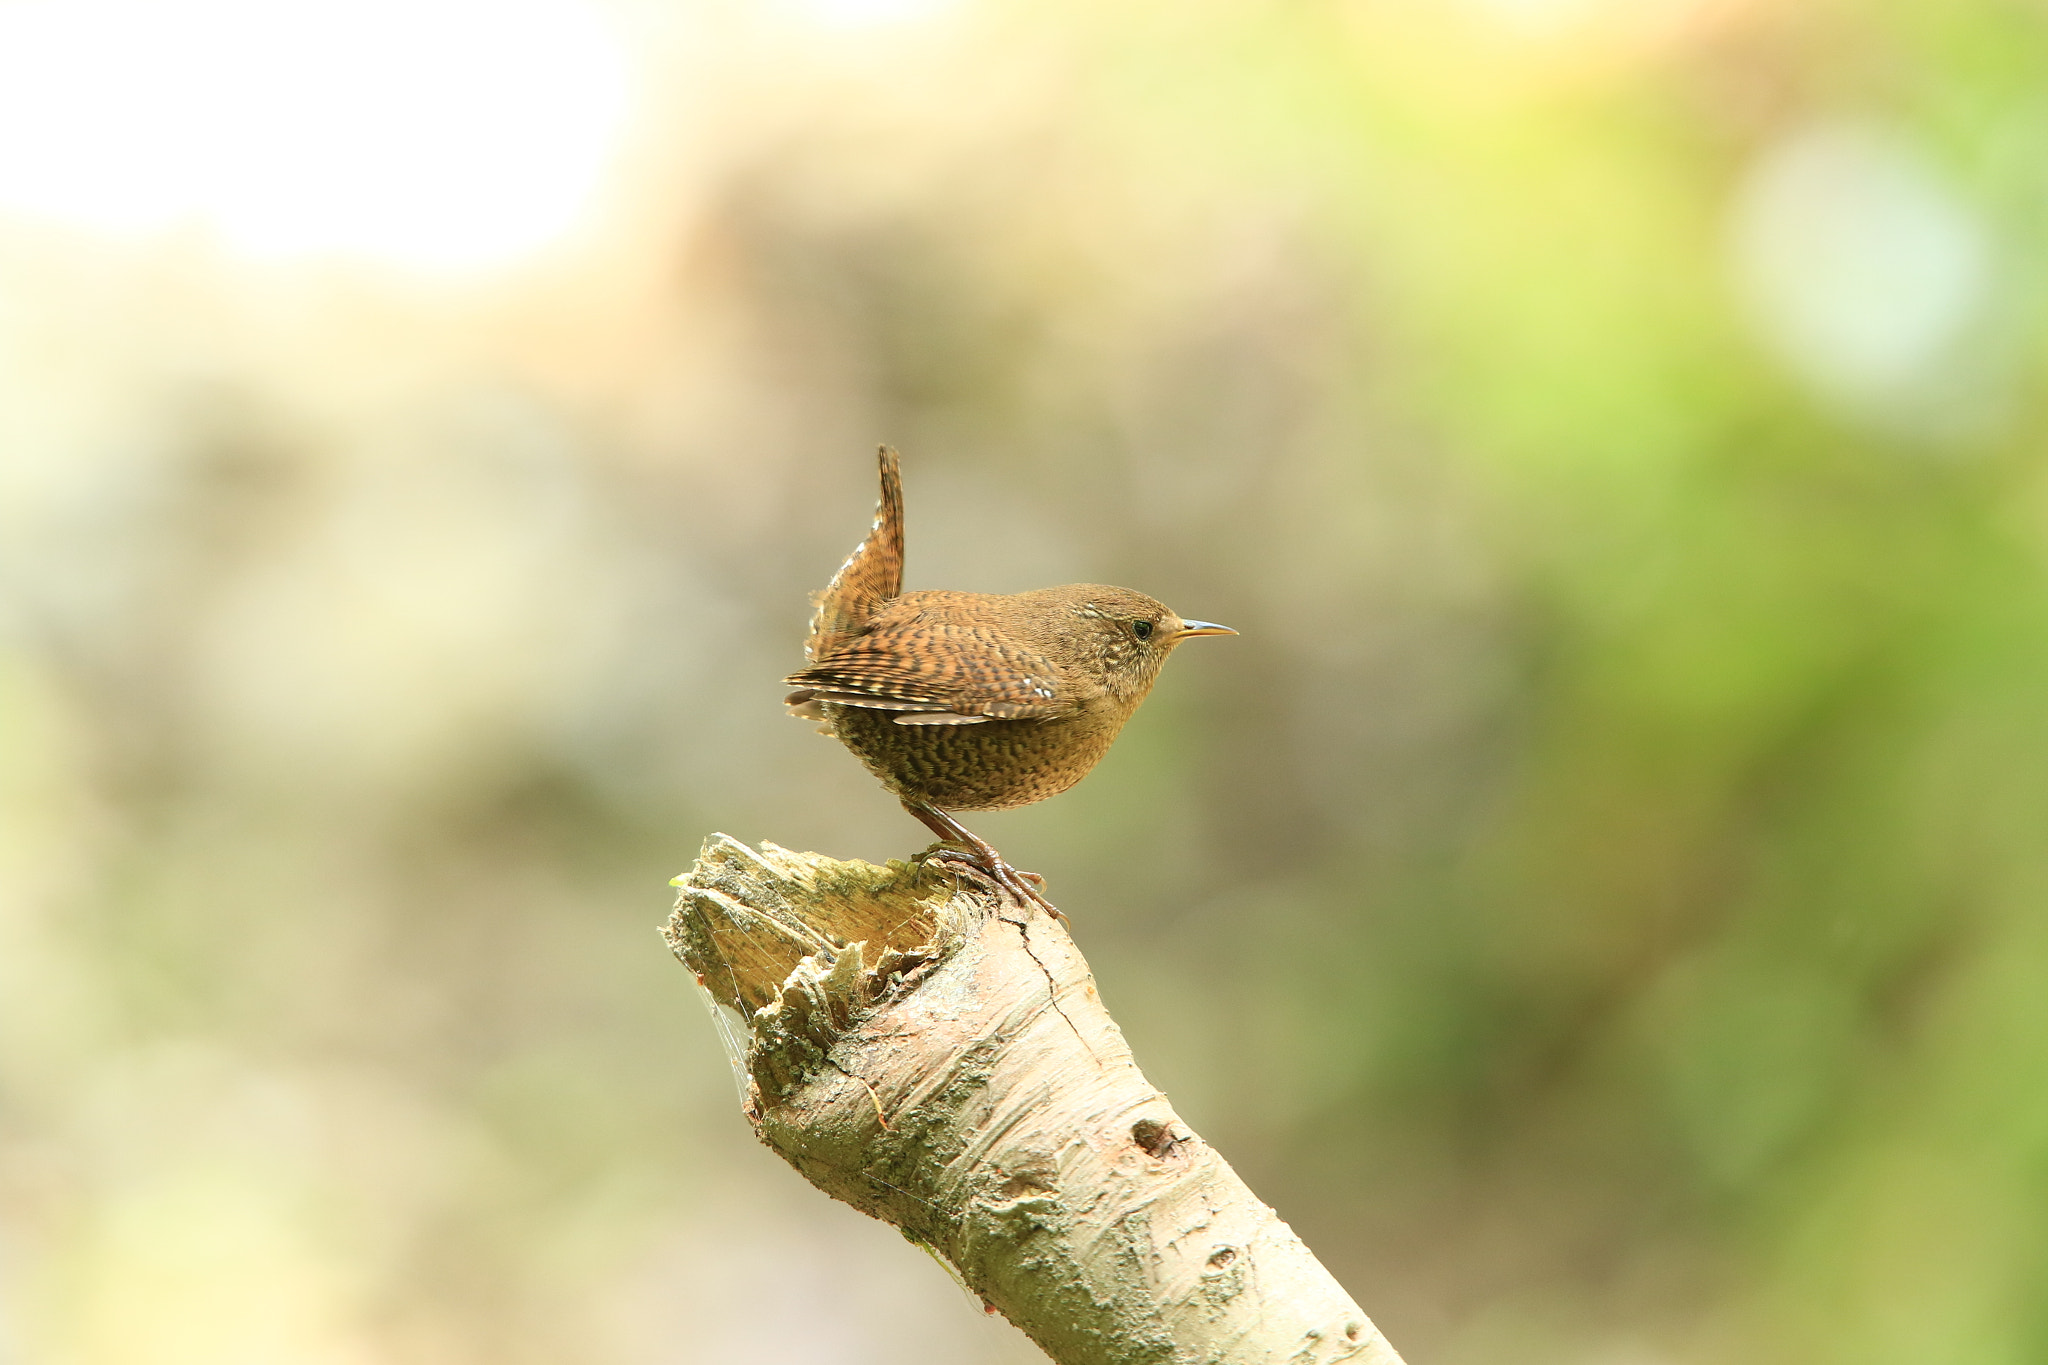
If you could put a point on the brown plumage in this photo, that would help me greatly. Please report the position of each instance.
(975, 701)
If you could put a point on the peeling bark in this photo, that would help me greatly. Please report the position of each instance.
(940, 1059)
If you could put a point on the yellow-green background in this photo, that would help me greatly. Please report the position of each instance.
(1601, 900)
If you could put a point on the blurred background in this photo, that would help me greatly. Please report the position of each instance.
(1601, 900)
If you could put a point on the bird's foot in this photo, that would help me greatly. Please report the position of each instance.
(986, 866)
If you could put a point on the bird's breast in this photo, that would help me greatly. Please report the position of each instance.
(993, 765)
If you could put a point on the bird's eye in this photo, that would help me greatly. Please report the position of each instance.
(1142, 629)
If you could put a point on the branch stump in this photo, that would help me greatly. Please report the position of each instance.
(938, 1057)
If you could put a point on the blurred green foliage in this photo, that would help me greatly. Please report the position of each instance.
(1601, 900)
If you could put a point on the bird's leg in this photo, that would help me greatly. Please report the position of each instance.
(983, 857)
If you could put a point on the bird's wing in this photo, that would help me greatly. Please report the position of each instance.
(871, 575)
(937, 673)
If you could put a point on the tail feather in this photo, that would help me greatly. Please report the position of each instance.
(871, 575)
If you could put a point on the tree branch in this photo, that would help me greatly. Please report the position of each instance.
(940, 1059)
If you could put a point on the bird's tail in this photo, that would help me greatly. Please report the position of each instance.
(871, 575)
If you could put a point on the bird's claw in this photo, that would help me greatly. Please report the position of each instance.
(1022, 886)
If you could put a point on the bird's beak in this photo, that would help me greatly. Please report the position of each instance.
(1188, 628)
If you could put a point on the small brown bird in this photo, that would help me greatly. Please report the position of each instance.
(974, 701)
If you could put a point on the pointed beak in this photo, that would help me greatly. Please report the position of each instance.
(1188, 628)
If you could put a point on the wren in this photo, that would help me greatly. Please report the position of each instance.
(963, 701)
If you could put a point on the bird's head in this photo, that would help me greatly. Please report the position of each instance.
(1116, 636)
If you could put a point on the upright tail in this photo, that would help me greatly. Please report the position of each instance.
(871, 575)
